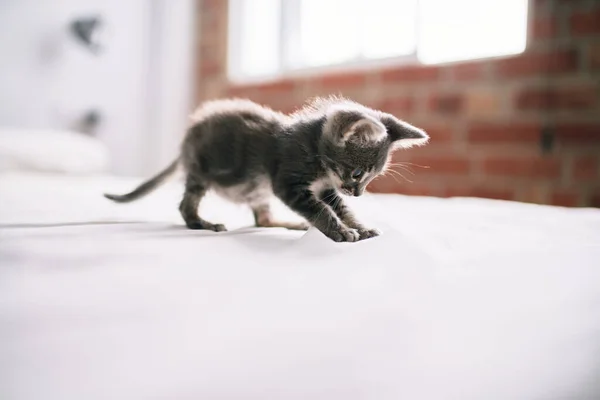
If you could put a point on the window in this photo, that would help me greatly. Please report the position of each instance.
(270, 38)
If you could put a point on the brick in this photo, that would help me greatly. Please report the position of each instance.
(574, 98)
(585, 22)
(288, 108)
(594, 55)
(439, 133)
(210, 89)
(540, 5)
(210, 68)
(544, 27)
(483, 192)
(212, 5)
(239, 91)
(536, 191)
(564, 7)
(343, 80)
(443, 164)
(586, 168)
(212, 21)
(397, 106)
(209, 24)
(522, 167)
(209, 51)
(594, 199)
(564, 198)
(553, 5)
(528, 64)
(506, 133)
(276, 88)
(410, 74)
(284, 105)
(578, 133)
(446, 103)
(468, 71)
(482, 103)
(572, 3)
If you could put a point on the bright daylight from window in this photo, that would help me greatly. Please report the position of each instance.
(269, 38)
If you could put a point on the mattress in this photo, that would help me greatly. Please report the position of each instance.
(459, 298)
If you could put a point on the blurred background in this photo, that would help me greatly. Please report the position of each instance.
(118, 71)
(509, 90)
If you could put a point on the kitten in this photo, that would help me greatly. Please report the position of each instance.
(248, 153)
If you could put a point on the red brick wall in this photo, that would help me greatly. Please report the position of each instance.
(485, 118)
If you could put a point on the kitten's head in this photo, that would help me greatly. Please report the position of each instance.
(357, 145)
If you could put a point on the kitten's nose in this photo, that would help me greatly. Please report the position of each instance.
(357, 191)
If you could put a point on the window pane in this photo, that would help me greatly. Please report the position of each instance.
(468, 29)
(389, 28)
(337, 31)
(330, 31)
(258, 37)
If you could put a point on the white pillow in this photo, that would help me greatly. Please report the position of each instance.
(54, 151)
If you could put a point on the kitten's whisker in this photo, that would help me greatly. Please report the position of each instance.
(398, 173)
(394, 165)
(397, 180)
(401, 164)
(413, 164)
(338, 200)
(408, 170)
(327, 207)
(393, 176)
(403, 177)
(325, 204)
(403, 168)
(330, 197)
(323, 208)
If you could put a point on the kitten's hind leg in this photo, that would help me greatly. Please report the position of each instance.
(194, 191)
(264, 219)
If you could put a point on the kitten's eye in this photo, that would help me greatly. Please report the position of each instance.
(357, 173)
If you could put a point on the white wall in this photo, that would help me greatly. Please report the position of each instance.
(172, 77)
(47, 80)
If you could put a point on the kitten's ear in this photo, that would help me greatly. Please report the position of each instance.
(348, 125)
(402, 134)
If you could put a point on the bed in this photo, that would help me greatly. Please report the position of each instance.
(459, 298)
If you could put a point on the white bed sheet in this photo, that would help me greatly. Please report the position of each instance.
(458, 299)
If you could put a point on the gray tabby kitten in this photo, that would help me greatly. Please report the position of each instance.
(248, 153)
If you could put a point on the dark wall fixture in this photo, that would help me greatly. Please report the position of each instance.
(90, 121)
(86, 31)
(547, 139)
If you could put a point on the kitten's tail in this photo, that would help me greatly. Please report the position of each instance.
(145, 187)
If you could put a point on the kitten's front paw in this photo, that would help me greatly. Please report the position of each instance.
(368, 233)
(343, 234)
